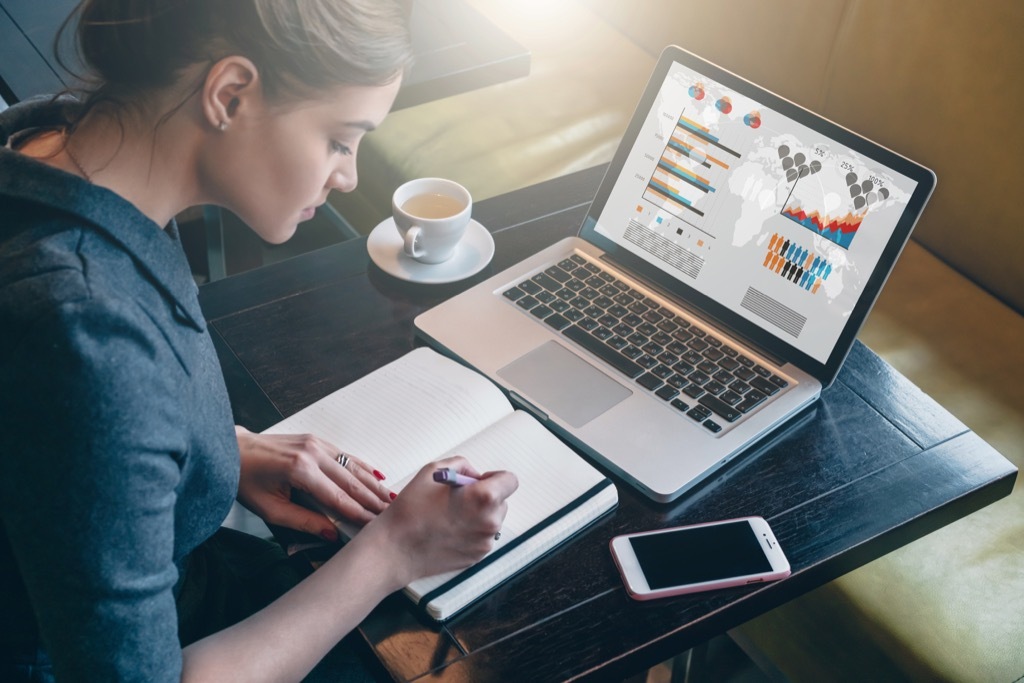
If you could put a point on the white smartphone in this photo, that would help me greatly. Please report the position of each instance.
(699, 557)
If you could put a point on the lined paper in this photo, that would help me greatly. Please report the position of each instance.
(404, 414)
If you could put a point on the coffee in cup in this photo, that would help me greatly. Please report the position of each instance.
(432, 205)
(431, 214)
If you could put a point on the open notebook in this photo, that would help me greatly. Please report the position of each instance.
(423, 407)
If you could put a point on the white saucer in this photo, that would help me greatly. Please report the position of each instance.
(471, 255)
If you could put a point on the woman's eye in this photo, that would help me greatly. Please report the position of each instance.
(339, 148)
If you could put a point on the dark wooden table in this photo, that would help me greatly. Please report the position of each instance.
(874, 466)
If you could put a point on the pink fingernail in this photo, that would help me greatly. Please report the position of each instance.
(380, 477)
(330, 535)
(393, 495)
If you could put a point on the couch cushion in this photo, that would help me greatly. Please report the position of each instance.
(951, 605)
(935, 80)
(567, 115)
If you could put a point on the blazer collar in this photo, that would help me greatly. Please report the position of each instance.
(157, 251)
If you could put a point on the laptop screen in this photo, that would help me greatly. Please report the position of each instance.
(776, 217)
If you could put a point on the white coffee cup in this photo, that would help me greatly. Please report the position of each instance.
(431, 215)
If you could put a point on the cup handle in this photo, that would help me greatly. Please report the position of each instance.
(411, 236)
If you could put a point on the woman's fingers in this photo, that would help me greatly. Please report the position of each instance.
(303, 519)
(370, 477)
(276, 466)
(352, 492)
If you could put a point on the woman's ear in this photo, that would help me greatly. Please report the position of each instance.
(232, 87)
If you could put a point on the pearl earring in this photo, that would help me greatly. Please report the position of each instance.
(223, 126)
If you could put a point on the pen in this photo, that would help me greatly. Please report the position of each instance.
(449, 477)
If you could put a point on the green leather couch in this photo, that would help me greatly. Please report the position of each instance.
(936, 80)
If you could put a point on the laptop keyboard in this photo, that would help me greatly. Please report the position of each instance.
(689, 368)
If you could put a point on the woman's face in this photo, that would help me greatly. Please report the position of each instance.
(281, 163)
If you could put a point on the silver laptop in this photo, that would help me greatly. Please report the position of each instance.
(729, 258)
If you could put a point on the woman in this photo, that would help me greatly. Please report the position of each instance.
(118, 452)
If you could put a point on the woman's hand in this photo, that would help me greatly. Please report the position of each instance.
(433, 528)
(275, 465)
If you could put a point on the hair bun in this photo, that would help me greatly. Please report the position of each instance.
(130, 42)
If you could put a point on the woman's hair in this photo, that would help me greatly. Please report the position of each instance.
(302, 48)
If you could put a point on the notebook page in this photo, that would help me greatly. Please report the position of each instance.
(551, 475)
(404, 414)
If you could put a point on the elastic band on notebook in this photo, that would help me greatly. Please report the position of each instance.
(537, 528)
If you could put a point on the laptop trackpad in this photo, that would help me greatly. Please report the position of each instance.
(563, 384)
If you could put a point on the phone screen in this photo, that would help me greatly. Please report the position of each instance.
(686, 556)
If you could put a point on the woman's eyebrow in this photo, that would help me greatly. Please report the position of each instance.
(364, 125)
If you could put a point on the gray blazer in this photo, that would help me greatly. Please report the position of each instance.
(117, 448)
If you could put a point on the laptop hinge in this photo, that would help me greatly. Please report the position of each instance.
(711, 322)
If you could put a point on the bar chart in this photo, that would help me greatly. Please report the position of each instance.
(687, 174)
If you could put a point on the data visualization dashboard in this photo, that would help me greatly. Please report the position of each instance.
(772, 219)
